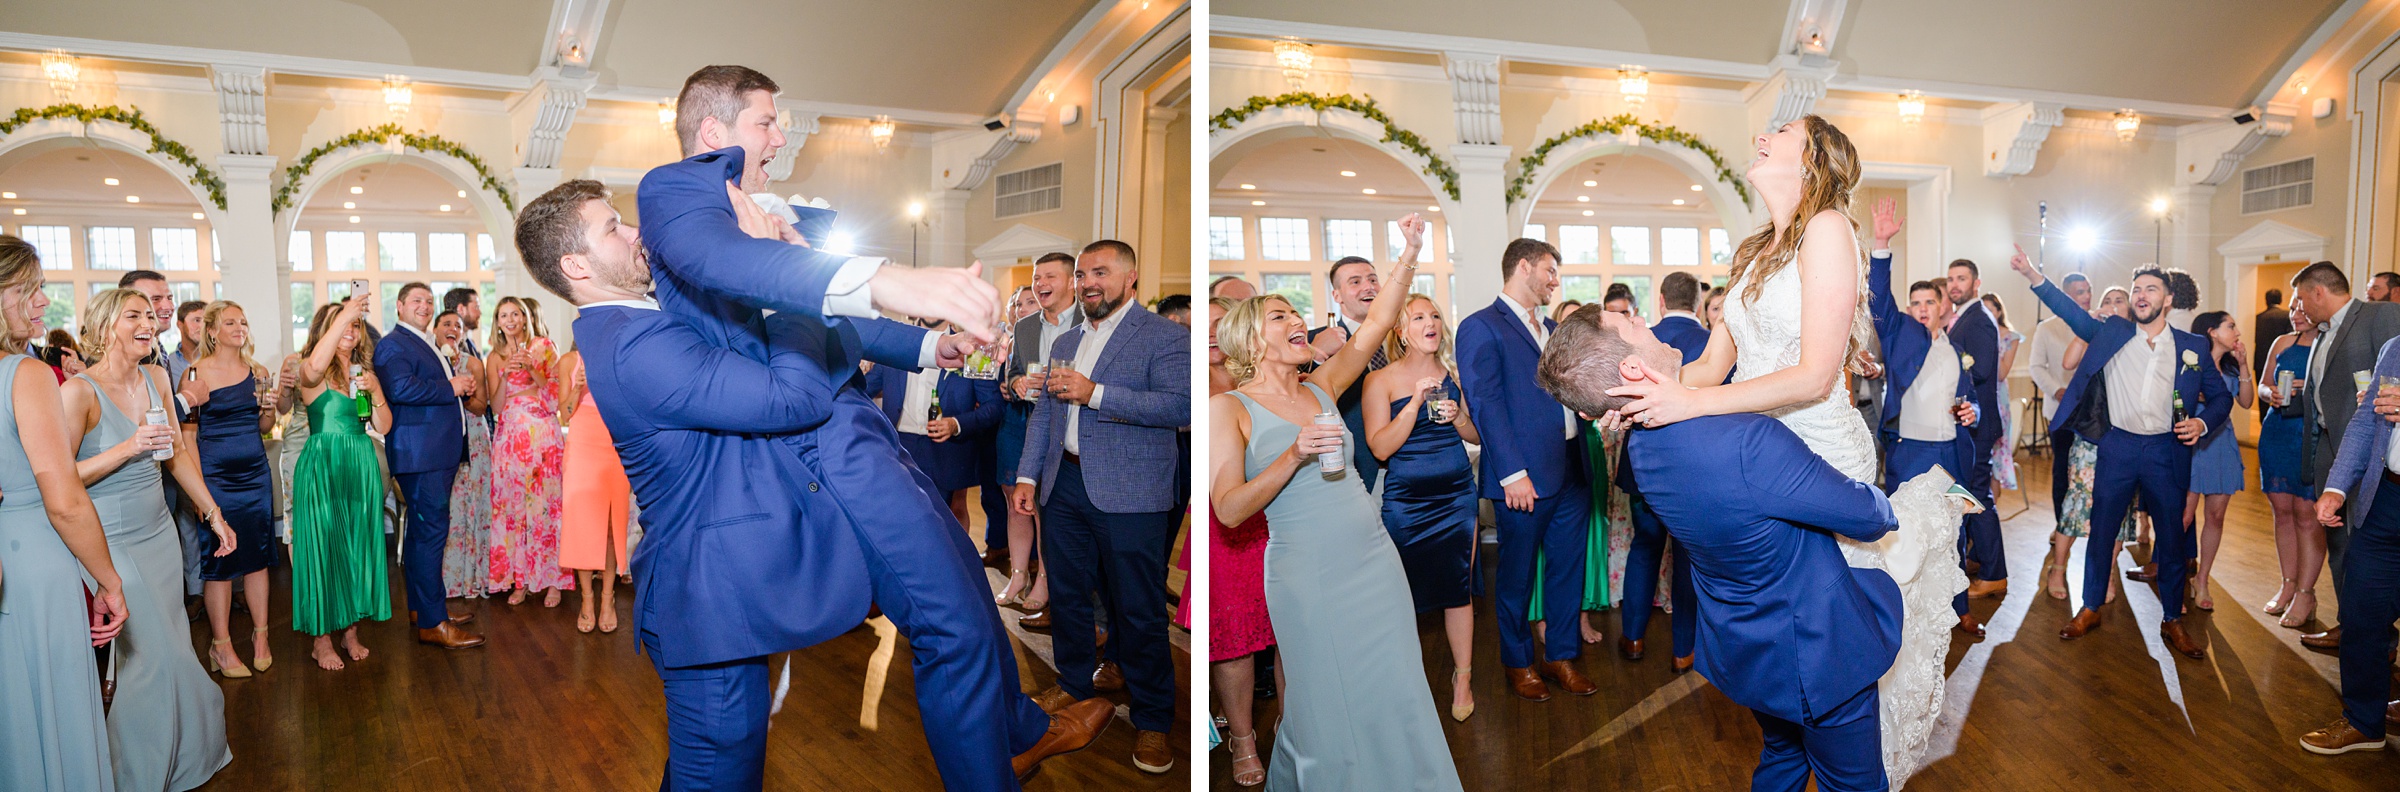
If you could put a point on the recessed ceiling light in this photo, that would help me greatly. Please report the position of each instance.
(199, 216)
(462, 193)
(1583, 199)
(133, 199)
(357, 190)
(349, 204)
(1369, 191)
(1590, 183)
(354, 218)
(110, 181)
(445, 207)
(1258, 203)
(1349, 173)
(1678, 202)
(1587, 212)
(1695, 188)
(1249, 186)
(20, 211)
(8, 195)
(1433, 208)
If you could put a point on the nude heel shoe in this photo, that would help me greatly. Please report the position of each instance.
(235, 671)
(1460, 712)
(262, 662)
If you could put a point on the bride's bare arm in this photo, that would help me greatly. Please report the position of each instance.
(1828, 262)
(1715, 363)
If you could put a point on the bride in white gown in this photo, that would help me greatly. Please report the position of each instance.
(1789, 363)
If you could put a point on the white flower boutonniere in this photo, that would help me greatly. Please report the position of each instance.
(1966, 361)
(2191, 360)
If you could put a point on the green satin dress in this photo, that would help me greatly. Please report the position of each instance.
(338, 574)
(1595, 544)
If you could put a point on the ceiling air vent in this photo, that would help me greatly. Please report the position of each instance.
(2271, 188)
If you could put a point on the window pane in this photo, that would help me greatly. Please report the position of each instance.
(302, 256)
(1679, 247)
(1580, 288)
(396, 251)
(1225, 239)
(488, 293)
(184, 291)
(1422, 285)
(1393, 242)
(101, 286)
(345, 251)
(1640, 284)
(1629, 245)
(304, 306)
(1283, 238)
(483, 252)
(55, 244)
(174, 249)
(1450, 244)
(1537, 231)
(216, 252)
(391, 304)
(108, 249)
(1720, 249)
(1344, 238)
(1295, 289)
(61, 313)
(1580, 244)
(446, 252)
(218, 290)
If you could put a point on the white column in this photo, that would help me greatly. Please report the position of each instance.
(252, 274)
(946, 230)
(1479, 220)
(1150, 235)
(512, 279)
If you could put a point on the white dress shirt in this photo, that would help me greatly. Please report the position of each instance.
(1541, 340)
(2141, 384)
(917, 402)
(1087, 355)
(2050, 341)
(1925, 409)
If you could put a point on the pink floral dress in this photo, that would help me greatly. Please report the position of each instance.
(527, 458)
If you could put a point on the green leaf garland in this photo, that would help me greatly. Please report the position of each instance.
(1616, 126)
(1435, 166)
(433, 144)
(201, 176)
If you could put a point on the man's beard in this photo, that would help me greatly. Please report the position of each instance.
(1107, 307)
(2139, 319)
(632, 277)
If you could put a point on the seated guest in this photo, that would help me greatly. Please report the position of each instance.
(940, 415)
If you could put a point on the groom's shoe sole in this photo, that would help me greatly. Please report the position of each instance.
(1527, 684)
(2173, 633)
(2085, 621)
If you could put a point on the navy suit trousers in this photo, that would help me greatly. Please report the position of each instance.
(2370, 595)
(1559, 526)
(1650, 539)
(1843, 748)
(2159, 468)
(716, 725)
(428, 532)
(1085, 549)
(1979, 534)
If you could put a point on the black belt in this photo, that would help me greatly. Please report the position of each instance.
(2390, 477)
(1073, 459)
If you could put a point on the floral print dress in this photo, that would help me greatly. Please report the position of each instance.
(528, 458)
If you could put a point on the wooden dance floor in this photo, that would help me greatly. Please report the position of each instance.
(544, 707)
(2025, 711)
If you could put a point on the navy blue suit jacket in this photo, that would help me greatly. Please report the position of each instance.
(743, 554)
(1128, 444)
(428, 433)
(2197, 377)
(1523, 427)
(975, 403)
(1791, 628)
(1906, 343)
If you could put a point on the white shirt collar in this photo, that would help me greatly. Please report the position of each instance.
(1672, 314)
(1514, 308)
(644, 304)
(420, 334)
(1109, 324)
(2335, 323)
(1061, 321)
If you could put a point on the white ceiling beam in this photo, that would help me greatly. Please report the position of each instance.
(1994, 93)
(934, 118)
(286, 64)
(572, 39)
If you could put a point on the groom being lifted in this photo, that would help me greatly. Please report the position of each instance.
(1787, 628)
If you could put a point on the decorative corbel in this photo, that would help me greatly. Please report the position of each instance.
(1475, 95)
(546, 112)
(2013, 135)
(2211, 155)
(1789, 93)
(242, 106)
(797, 127)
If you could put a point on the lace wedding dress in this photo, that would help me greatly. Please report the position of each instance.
(1922, 555)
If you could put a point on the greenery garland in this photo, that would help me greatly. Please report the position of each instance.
(384, 134)
(1616, 126)
(201, 176)
(1435, 166)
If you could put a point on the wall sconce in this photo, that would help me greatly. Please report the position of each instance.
(880, 130)
(1912, 107)
(398, 94)
(2128, 124)
(1296, 59)
(570, 50)
(666, 113)
(1634, 83)
(60, 68)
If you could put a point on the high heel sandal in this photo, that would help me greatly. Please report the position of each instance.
(608, 617)
(2282, 600)
(2055, 586)
(2293, 609)
(584, 622)
(1010, 594)
(235, 671)
(1460, 712)
(263, 661)
(1255, 775)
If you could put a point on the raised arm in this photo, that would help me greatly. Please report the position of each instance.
(1880, 303)
(2083, 323)
(1346, 366)
(320, 361)
(1801, 487)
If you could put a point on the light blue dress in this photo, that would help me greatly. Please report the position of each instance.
(1359, 714)
(2217, 459)
(52, 734)
(166, 729)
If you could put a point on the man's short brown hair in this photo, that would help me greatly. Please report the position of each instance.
(1524, 250)
(2323, 273)
(1579, 364)
(551, 228)
(717, 92)
(1679, 291)
(1928, 284)
(188, 308)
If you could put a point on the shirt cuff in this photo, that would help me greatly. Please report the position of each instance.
(1880, 253)
(1512, 478)
(928, 354)
(1094, 401)
(2336, 491)
(1025, 480)
(849, 293)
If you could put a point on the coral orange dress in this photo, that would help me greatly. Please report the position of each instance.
(599, 497)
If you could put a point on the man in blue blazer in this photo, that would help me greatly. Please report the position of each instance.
(1793, 631)
(1929, 392)
(756, 544)
(427, 443)
(1533, 464)
(1680, 329)
(944, 449)
(2142, 367)
(1099, 463)
(2370, 588)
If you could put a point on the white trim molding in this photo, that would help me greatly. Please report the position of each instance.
(1019, 241)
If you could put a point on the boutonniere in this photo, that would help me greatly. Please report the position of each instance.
(1966, 361)
(2191, 360)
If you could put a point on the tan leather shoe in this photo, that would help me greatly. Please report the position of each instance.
(2085, 621)
(2329, 641)
(447, 635)
(1986, 589)
(1071, 729)
(1037, 621)
(455, 618)
(1631, 649)
(1107, 678)
(1568, 678)
(1054, 699)
(1150, 754)
(1683, 665)
(2172, 631)
(1527, 684)
(2338, 738)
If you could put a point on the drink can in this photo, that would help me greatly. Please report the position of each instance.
(2283, 385)
(1330, 461)
(157, 416)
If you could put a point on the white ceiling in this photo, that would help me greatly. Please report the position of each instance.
(75, 178)
(1312, 166)
(1307, 170)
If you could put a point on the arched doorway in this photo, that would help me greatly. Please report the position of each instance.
(388, 219)
(97, 206)
(1285, 203)
(1631, 215)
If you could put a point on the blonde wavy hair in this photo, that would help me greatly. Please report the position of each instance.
(20, 266)
(1395, 347)
(100, 321)
(1239, 337)
(208, 333)
(533, 321)
(1828, 176)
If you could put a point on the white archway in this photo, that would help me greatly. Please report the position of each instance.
(1736, 215)
(50, 134)
(497, 219)
(1227, 146)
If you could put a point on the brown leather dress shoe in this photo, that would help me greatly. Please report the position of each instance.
(2172, 631)
(1150, 754)
(1070, 730)
(455, 618)
(2329, 641)
(1054, 699)
(1683, 665)
(2085, 621)
(1037, 621)
(1986, 589)
(2339, 738)
(447, 635)
(1527, 684)
(1568, 678)
(1632, 649)
(1969, 625)
(2147, 574)
(1107, 678)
